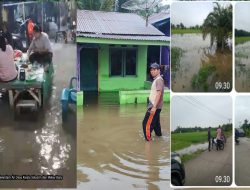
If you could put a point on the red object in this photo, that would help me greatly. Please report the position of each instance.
(17, 53)
(30, 28)
(148, 134)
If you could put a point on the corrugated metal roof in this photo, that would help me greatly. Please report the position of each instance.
(126, 37)
(99, 22)
(158, 17)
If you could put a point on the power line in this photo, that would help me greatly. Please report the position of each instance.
(201, 106)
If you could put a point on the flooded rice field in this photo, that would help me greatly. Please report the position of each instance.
(195, 67)
(193, 148)
(112, 152)
(242, 67)
(46, 146)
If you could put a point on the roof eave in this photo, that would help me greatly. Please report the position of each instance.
(82, 39)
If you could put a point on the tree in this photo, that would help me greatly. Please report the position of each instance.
(182, 25)
(97, 5)
(219, 25)
(145, 8)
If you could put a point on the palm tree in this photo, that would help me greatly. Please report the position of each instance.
(219, 25)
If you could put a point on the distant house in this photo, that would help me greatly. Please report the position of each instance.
(112, 50)
(162, 22)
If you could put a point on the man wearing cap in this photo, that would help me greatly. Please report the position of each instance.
(40, 48)
(152, 117)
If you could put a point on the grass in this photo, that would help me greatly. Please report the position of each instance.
(243, 39)
(176, 54)
(185, 31)
(200, 79)
(183, 140)
(187, 157)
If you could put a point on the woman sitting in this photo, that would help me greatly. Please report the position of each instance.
(8, 70)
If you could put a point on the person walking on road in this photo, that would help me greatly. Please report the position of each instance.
(209, 138)
(218, 137)
(152, 117)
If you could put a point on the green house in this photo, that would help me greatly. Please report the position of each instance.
(112, 50)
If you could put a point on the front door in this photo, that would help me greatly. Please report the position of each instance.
(89, 69)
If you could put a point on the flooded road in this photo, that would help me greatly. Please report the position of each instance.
(112, 152)
(44, 147)
(242, 67)
(197, 57)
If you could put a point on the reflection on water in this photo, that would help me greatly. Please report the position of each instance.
(193, 148)
(46, 146)
(197, 53)
(112, 152)
(242, 67)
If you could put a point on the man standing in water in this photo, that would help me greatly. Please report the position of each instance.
(152, 117)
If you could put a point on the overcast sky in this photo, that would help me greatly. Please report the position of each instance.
(242, 110)
(242, 15)
(202, 111)
(191, 13)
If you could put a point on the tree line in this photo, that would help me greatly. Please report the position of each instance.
(182, 26)
(224, 127)
(241, 33)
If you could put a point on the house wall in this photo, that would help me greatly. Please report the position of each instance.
(107, 83)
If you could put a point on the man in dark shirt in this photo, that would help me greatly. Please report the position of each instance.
(209, 138)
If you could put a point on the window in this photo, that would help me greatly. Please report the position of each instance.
(116, 62)
(123, 61)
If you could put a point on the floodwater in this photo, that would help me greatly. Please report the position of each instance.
(46, 146)
(242, 67)
(112, 152)
(193, 148)
(197, 53)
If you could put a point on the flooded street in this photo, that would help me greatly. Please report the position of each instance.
(46, 146)
(242, 67)
(196, 55)
(112, 152)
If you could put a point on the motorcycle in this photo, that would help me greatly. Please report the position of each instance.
(18, 42)
(237, 141)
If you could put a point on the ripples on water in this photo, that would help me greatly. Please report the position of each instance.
(242, 67)
(112, 152)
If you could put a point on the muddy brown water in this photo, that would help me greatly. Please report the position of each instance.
(112, 152)
(46, 146)
(242, 67)
(197, 52)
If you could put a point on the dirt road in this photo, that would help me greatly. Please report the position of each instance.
(242, 168)
(203, 170)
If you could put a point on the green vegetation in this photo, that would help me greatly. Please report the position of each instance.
(183, 140)
(219, 25)
(242, 39)
(176, 54)
(185, 31)
(241, 33)
(200, 79)
(246, 127)
(187, 157)
(185, 137)
(99, 5)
